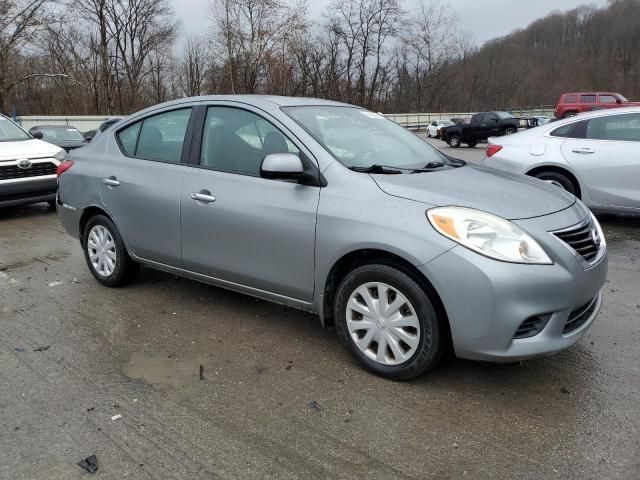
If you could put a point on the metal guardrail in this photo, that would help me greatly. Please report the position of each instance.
(409, 120)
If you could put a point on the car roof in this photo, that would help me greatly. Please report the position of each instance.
(591, 93)
(255, 100)
(66, 127)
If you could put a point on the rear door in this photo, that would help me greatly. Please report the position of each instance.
(608, 158)
(247, 230)
(141, 181)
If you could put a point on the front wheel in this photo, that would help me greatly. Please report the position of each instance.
(105, 253)
(454, 141)
(388, 323)
(510, 131)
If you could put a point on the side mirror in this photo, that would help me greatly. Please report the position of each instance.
(618, 101)
(37, 135)
(282, 166)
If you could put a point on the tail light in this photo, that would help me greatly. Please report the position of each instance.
(493, 149)
(64, 166)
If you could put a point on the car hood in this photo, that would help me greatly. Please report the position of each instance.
(504, 194)
(27, 149)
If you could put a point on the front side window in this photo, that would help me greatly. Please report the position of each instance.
(587, 99)
(490, 118)
(360, 138)
(621, 128)
(236, 140)
(607, 99)
(10, 132)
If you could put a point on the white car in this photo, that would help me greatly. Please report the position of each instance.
(27, 167)
(435, 128)
(595, 156)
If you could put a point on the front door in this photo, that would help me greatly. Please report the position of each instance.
(608, 159)
(239, 227)
(141, 182)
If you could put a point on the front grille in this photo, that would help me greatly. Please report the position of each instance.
(581, 239)
(580, 315)
(11, 172)
(532, 326)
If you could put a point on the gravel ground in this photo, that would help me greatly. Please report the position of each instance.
(138, 352)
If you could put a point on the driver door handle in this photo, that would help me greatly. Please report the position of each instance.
(111, 181)
(204, 197)
(583, 151)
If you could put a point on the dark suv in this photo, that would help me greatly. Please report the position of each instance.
(571, 104)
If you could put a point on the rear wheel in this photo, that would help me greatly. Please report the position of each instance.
(569, 114)
(558, 179)
(454, 141)
(105, 253)
(388, 323)
(472, 144)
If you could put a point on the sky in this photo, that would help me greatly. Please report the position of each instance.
(483, 19)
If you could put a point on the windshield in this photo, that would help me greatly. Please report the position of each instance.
(359, 138)
(504, 115)
(623, 98)
(446, 123)
(10, 132)
(61, 134)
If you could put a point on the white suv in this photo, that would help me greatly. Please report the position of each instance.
(27, 167)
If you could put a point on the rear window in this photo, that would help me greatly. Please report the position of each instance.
(571, 99)
(587, 99)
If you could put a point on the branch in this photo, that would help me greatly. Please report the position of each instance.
(33, 75)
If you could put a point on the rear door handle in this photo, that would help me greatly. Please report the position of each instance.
(111, 181)
(583, 151)
(203, 196)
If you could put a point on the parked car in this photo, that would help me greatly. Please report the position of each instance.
(482, 126)
(336, 210)
(64, 136)
(594, 156)
(108, 123)
(27, 167)
(571, 104)
(435, 128)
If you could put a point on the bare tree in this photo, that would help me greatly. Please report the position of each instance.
(195, 66)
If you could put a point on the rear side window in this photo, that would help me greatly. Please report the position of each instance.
(587, 99)
(607, 99)
(621, 128)
(159, 137)
(572, 130)
(571, 99)
(128, 138)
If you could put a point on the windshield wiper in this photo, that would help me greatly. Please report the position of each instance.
(433, 165)
(378, 169)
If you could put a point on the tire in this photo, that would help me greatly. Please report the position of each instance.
(428, 133)
(121, 269)
(558, 179)
(569, 114)
(52, 203)
(510, 130)
(426, 331)
(472, 144)
(454, 141)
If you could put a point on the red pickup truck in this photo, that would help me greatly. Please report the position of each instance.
(571, 104)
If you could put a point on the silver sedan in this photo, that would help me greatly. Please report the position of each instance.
(595, 156)
(334, 209)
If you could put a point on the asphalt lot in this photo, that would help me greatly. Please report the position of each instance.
(137, 352)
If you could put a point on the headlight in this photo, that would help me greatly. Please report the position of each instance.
(487, 234)
(60, 156)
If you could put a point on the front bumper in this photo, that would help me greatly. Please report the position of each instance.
(487, 301)
(34, 190)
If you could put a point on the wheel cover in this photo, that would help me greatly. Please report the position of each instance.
(102, 251)
(382, 323)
